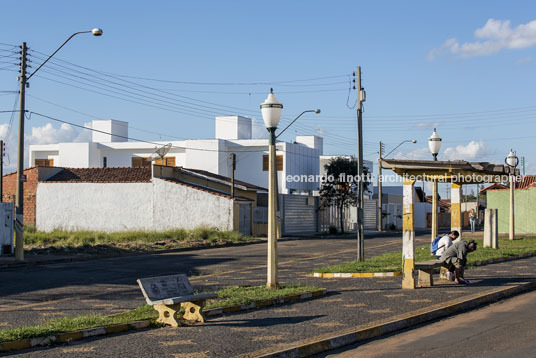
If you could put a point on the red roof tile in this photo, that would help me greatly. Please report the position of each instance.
(527, 181)
(103, 175)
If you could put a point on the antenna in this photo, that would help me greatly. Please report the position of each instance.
(160, 153)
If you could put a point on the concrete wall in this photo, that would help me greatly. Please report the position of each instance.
(179, 206)
(160, 205)
(524, 209)
(94, 206)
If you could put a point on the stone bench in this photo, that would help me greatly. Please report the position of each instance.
(167, 294)
(426, 272)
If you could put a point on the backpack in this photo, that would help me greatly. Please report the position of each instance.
(434, 244)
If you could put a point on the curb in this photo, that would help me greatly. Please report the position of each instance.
(357, 274)
(123, 327)
(502, 259)
(398, 274)
(365, 332)
(72, 336)
(266, 303)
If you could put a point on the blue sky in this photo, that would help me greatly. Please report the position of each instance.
(482, 91)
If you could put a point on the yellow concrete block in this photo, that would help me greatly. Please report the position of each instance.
(15, 345)
(69, 336)
(116, 328)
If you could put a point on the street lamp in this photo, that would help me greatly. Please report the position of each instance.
(434, 143)
(512, 161)
(271, 115)
(380, 203)
(19, 202)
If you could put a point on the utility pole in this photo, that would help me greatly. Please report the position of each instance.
(19, 205)
(380, 202)
(360, 227)
(233, 168)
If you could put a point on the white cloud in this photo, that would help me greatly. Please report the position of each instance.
(494, 36)
(427, 125)
(524, 60)
(46, 134)
(473, 150)
(470, 152)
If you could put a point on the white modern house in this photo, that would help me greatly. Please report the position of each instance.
(110, 147)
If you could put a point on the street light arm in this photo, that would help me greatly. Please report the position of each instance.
(295, 119)
(406, 141)
(59, 48)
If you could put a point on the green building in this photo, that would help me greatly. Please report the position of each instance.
(524, 205)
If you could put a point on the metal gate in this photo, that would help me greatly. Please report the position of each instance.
(244, 221)
(6, 228)
(298, 214)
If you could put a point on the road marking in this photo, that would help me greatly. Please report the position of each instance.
(178, 343)
(394, 295)
(191, 355)
(425, 300)
(354, 305)
(78, 349)
(387, 310)
(268, 338)
(285, 310)
(328, 324)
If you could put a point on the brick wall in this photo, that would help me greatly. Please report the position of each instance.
(9, 182)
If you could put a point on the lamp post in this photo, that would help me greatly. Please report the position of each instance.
(19, 202)
(271, 115)
(434, 143)
(380, 196)
(512, 161)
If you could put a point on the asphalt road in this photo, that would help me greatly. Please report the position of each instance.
(505, 329)
(33, 294)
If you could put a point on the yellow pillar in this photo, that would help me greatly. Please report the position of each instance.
(456, 208)
(408, 238)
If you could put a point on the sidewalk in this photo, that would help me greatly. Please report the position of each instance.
(351, 302)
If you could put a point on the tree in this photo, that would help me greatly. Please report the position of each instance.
(340, 187)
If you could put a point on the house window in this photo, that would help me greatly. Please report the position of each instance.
(104, 162)
(169, 161)
(44, 162)
(141, 162)
(278, 163)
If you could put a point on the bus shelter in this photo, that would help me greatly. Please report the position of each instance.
(457, 173)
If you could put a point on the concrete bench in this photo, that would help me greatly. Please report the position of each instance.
(167, 294)
(426, 272)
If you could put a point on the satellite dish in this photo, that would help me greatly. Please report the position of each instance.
(161, 152)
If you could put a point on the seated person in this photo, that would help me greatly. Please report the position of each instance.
(445, 242)
(455, 257)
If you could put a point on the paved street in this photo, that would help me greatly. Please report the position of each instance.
(107, 285)
(505, 329)
(36, 293)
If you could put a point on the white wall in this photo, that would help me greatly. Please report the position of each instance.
(176, 205)
(94, 206)
(159, 205)
(233, 127)
(115, 127)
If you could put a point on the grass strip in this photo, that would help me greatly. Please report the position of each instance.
(392, 262)
(95, 242)
(228, 296)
